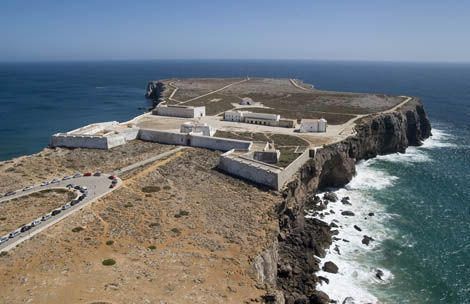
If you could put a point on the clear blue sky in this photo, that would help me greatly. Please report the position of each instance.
(393, 30)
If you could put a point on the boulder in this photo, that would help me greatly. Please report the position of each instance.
(274, 297)
(357, 228)
(319, 297)
(366, 240)
(349, 300)
(347, 213)
(323, 279)
(330, 267)
(330, 196)
(345, 200)
(379, 274)
(371, 214)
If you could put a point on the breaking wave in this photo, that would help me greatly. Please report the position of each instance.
(359, 270)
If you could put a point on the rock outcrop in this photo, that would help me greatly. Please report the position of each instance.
(154, 90)
(301, 240)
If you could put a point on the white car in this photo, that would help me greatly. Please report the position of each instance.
(77, 175)
(66, 206)
(14, 233)
(27, 188)
(46, 217)
(44, 184)
(36, 222)
(67, 177)
(3, 239)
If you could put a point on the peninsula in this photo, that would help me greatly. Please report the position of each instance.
(200, 200)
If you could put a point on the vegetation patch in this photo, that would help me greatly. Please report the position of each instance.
(128, 205)
(182, 213)
(176, 231)
(154, 224)
(77, 229)
(150, 189)
(152, 247)
(109, 242)
(108, 262)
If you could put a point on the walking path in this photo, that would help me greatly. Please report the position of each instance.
(215, 91)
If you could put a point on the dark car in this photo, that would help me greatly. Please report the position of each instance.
(74, 202)
(77, 188)
(69, 186)
(114, 181)
(10, 193)
(112, 177)
(97, 174)
(25, 228)
(55, 212)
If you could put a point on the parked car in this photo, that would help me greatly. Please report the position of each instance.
(27, 188)
(46, 217)
(114, 181)
(74, 202)
(83, 188)
(55, 181)
(97, 174)
(81, 197)
(112, 185)
(3, 239)
(25, 228)
(77, 175)
(44, 184)
(69, 186)
(77, 187)
(10, 193)
(66, 206)
(36, 222)
(55, 212)
(87, 174)
(14, 233)
(112, 177)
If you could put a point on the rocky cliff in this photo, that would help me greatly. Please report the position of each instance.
(301, 241)
(154, 90)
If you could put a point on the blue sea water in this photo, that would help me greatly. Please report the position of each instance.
(421, 198)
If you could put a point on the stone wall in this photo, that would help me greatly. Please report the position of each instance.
(79, 141)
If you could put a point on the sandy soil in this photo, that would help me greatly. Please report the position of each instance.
(179, 231)
(23, 210)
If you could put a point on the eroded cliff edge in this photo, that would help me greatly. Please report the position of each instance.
(302, 241)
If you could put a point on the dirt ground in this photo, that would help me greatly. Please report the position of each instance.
(178, 231)
(51, 163)
(23, 210)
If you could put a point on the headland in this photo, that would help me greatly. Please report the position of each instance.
(222, 220)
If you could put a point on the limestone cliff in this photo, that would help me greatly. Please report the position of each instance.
(301, 241)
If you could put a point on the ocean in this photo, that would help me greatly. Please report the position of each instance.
(420, 199)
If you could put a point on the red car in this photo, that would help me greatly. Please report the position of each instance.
(112, 177)
(87, 174)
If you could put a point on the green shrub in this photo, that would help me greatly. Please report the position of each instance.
(176, 231)
(128, 205)
(150, 189)
(2, 218)
(77, 229)
(108, 262)
(109, 242)
(152, 247)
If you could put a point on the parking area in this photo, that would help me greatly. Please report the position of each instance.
(87, 188)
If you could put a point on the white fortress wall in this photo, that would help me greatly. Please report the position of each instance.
(248, 170)
(164, 137)
(218, 143)
(79, 141)
(293, 168)
(93, 128)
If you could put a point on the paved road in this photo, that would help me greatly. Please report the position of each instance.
(98, 186)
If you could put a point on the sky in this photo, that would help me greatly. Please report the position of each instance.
(378, 30)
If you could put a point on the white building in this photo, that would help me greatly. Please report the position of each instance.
(197, 128)
(180, 111)
(313, 125)
(233, 116)
(247, 101)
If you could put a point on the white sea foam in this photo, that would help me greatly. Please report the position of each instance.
(357, 269)
(357, 262)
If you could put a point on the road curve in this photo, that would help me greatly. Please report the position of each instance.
(98, 186)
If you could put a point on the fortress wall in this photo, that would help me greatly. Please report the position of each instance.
(115, 140)
(130, 133)
(79, 141)
(218, 143)
(248, 170)
(288, 172)
(163, 137)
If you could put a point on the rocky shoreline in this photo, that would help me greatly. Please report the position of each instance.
(293, 261)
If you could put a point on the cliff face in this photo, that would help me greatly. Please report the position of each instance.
(302, 241)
